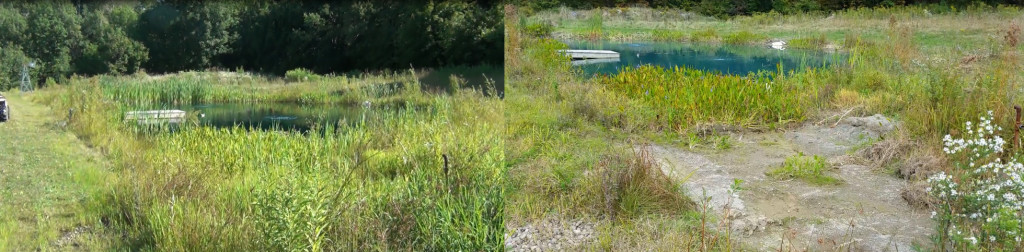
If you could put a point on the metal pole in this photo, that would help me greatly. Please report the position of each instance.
(1016, 130)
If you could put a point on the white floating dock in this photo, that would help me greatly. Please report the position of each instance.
(593, 61)
(590, 54)
(156, 116)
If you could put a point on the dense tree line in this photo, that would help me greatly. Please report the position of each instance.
(724, 8)
(123, 37)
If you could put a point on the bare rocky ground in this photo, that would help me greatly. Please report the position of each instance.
(551, 234)
(865, 213)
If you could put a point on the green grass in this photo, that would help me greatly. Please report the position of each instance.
(427, 175)
(743, 38)
(814, 42)
(811, 169)
(706, 35)
(48, 180)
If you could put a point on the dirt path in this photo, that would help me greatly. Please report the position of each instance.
(865, 213)
(45, 175)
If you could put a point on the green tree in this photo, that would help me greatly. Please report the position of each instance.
(184, 36)
(53, 36)
(107, 47)
(11, 61)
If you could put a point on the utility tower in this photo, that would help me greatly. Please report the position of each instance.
(26, 84)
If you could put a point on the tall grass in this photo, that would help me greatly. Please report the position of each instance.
(197, 88)
(422, 177)
(682, 96)
(811, 169)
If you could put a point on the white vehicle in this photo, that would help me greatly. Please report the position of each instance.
(5, 111)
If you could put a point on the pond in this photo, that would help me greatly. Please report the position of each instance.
(723, 58)
(271, 116)
(305, 117)
(485, 78)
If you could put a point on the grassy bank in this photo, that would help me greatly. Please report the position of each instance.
(931, 28)
(426, 176)
(931, 72)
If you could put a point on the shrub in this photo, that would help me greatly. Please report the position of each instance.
(301, 75)
(982, 198)
(539, 29)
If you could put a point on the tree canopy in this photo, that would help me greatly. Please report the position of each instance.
(123, 37)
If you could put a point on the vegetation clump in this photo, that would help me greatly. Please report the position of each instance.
(981, 199)
(743, 38)
(814, 42)
(301, 75)
(682, 97)
(811, 169)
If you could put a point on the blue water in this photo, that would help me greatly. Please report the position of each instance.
(726, 59)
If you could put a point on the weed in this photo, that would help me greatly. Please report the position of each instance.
(688, 96)
(811, 169)
(301, 75)
(816, 42)
(539, 30)
(980, 199)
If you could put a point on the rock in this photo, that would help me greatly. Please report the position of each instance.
(877, 123)
(550, 234)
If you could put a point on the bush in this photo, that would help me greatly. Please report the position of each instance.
(982, 198)
(539, 30)
(301, 75)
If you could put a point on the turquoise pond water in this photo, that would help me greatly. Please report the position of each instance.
(726, 59)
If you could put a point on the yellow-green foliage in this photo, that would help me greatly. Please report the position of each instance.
(743, 37)
(817, 42)
(688, 96)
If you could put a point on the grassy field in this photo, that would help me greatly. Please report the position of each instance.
(931, 71)
(427, 175)
(48, 181)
